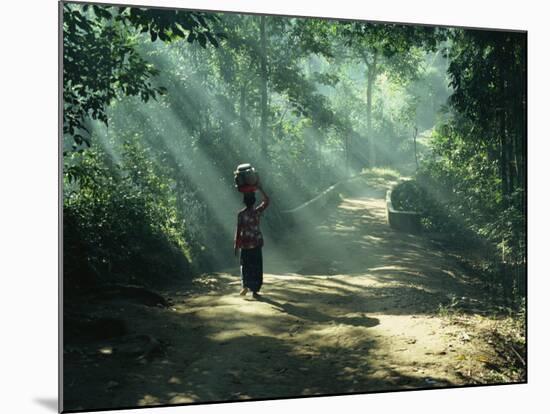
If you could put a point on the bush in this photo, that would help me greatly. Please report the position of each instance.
(121, 222)
(408, 196)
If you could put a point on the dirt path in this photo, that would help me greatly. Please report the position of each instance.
(353, 306)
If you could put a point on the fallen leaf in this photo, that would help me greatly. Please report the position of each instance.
(482, 358)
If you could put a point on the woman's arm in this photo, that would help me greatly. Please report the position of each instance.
(265, 199)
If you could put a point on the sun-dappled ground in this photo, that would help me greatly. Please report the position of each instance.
(348, 305)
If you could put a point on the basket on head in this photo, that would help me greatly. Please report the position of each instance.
(246, 178)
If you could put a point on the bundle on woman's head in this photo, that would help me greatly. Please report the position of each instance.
(246, 178)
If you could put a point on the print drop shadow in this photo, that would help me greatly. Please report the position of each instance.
(49, 403)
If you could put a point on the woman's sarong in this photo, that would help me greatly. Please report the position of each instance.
(252, 272)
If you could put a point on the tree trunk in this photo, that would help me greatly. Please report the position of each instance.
(263, 88)
(318, 151)
(521, 147)
(512, 159)
(504, 144)
(415, 152)
(347, 145)
(503, 159)
(371, 73)
(242, 107)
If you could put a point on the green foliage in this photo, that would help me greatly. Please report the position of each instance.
(121, 218)
(390, 39)
(471, 186)
(409, 196)
(101, 61)
(462, 196)
(488, 73)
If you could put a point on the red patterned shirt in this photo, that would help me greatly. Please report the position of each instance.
(248, 235)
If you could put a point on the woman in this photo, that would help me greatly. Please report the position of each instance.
(248, 238)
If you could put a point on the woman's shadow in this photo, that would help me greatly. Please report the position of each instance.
(316, 316)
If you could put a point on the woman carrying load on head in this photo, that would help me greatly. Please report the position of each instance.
(249, 239)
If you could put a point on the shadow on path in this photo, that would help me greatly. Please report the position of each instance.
(305, 312)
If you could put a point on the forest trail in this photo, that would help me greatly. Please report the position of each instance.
(353, 307)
